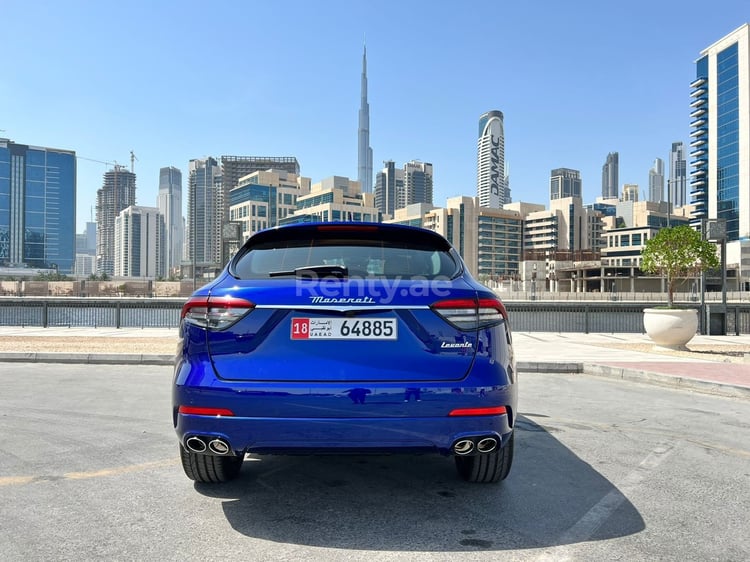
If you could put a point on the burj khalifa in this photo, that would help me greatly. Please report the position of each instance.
(364, 170)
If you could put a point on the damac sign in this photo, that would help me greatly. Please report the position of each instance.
(495, 175)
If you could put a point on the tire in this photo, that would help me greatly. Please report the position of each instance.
(208, 468)
(488, 468)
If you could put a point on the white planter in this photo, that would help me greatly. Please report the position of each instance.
(670, 327)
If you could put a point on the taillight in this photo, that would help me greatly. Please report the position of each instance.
(215, 313)
(471, 314)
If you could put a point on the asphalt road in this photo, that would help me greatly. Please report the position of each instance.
(604, 470)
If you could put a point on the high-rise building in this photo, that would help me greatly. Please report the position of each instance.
(630, 192)
(85, 265)
(491, 188)
(720, 145)
(567, 226)
(656, 181)
(37, 207)
(364, 151)
(488, 240)
(89, 246)
(86, 240)
(389, 185)
(611, 176)
(336, 198)
(417, 183)
(564, 182)
(170, 207)
(262, 199)
(235, 167)
(117, 193)
(396, 188)
(677, 186)
(204, 214)
(139, 239)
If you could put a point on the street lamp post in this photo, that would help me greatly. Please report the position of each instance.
(715, 230)
(533, 282)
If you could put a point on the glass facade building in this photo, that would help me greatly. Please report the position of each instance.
(720, 134)
(728, 139)
(37, 207)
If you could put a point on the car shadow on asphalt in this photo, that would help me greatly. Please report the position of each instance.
(418, 502)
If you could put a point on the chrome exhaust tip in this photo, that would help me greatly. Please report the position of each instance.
(487, 445)
(195, 444)
(219, 446)
(463, 446)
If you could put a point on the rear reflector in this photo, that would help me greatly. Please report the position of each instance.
(198, 411)
(494, 411)
(215, 313)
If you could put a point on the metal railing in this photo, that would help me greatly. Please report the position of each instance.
(90, 312)
(525, 316)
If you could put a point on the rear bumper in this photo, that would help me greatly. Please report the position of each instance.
(289, 417)
(311, 435)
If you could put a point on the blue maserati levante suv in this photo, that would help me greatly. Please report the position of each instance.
(345, 338)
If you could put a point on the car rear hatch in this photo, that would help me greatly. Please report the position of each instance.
(346, 304)
(296, 337)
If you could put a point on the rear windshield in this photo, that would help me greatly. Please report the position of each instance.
(361, 258)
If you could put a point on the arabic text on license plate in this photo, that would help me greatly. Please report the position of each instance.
(344, 329)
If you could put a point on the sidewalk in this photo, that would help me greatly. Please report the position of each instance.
(716, 364)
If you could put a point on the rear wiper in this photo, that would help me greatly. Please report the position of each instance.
(314, 271)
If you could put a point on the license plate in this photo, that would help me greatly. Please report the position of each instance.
(344, 329)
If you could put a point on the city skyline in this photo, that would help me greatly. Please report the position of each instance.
(426, 89)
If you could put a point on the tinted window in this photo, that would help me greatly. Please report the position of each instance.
(362, 258)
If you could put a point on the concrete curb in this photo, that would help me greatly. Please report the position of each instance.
(89, 358)
(548, 367)
(672, 381)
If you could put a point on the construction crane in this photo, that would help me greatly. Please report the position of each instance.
(133, 158)
(99, 161)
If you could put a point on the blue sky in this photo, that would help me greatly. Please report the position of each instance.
(174, 81)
